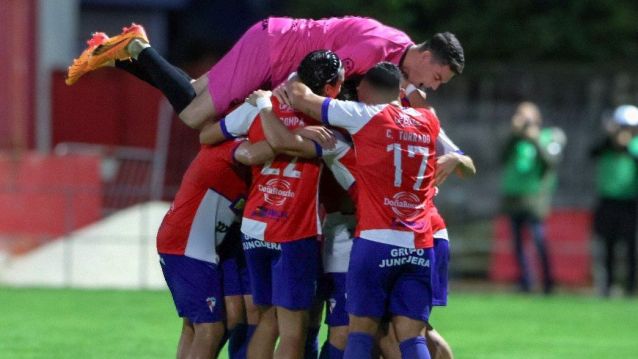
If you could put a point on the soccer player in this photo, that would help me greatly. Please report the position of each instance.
(391, 256)
(207, 204)
(268, 52)
(280, 223)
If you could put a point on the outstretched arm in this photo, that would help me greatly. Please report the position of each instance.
(456, 162)
(304, 100)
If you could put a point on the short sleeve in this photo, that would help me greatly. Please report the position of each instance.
(349, 115)
(445, 145)
(238, 121)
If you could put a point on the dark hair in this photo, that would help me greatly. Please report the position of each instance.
(319, 68)
(447, 50)
(384, 76)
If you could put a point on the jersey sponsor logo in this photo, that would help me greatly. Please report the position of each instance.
(404, 204)
(405, 121)
(266, 212)
(292, 121)
(276, 191)
(211, 302)
(256, 243)
(401, 256)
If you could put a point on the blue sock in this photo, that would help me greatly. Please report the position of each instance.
(312, 343)
(237, 342)
(414, 348)
(359, 346)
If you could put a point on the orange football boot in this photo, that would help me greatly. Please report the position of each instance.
(114, 48)
(78, 68)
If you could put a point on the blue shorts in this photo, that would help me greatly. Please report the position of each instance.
(233, 265)
(196, 287)
(283, 274)
(440, 272)
(332, 288)
(384, 278)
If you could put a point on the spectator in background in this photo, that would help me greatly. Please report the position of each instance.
(529, 180)
(617, 189)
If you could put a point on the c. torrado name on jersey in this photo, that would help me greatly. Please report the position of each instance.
(408, 136)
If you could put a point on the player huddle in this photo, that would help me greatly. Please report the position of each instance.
(299, 198)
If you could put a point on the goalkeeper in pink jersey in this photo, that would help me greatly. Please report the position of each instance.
(265, 55)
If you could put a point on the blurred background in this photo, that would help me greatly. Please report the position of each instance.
(87, 172)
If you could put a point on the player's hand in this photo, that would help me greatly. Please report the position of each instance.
(252, 99)
(320, 134)
(280, 93)
(445, 166)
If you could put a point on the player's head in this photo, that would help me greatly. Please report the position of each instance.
(322, 71)
(435, 61)
(381, 84)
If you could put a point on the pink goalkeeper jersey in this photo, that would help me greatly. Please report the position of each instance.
(360, 43)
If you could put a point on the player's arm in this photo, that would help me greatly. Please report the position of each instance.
(349, 115)
(235, 124)
(304, 100)
(253, 154)
(278, 136)
(414, 96)
(451, 160)
(211, 134)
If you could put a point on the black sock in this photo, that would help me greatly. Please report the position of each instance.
(173, 83)
(132, 67)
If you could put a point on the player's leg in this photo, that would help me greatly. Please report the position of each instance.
(260, 256)
(388, 343)
(311, 349)
(368, 284)
(437, 345)
(262, 342)
(235, 287)
(538, 233)
(294, 291)
(411, 342)
(196, 288)
(252, 319)
(410, 303)
(517, 223)
(185, 339)
(334, 287)
(244, 69)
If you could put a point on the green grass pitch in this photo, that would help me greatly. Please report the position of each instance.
(60, 323)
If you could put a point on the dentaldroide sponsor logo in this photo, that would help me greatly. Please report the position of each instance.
(276, 191)
(404, 204)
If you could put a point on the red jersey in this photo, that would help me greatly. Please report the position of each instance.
(282, 204)
(208, 201)
(394, 169)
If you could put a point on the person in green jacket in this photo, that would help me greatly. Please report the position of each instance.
(615, 215)
(529, 180)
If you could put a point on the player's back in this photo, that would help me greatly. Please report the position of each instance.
(359, 42)
(395, 176)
